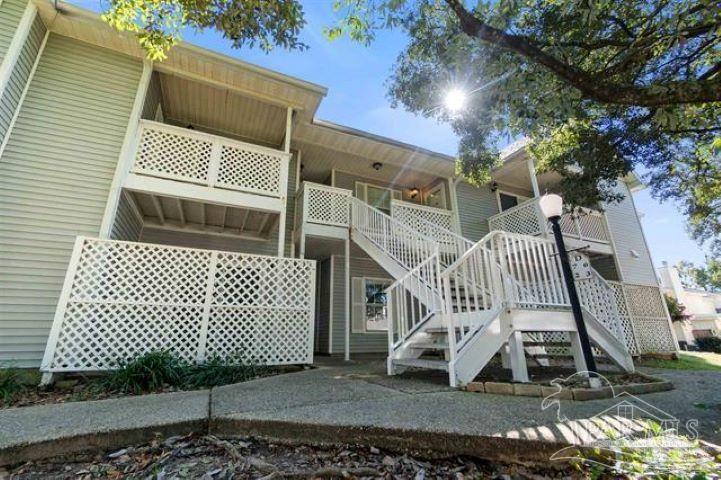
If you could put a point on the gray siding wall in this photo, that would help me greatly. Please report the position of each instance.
(606, 267)
(475, 206)
(627, 235)
(20, 74)
(55, 175)
(11, 11)
(127, 225)
(322, 344)
(360, 266)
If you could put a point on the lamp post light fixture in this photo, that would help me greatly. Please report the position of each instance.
(552, 208)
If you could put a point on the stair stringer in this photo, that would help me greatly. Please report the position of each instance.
(390, 265)
(475, 354)
(608, 342)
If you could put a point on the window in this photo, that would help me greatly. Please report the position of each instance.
(436, 196)
(378, 197)
(370, 305)
(508, 200)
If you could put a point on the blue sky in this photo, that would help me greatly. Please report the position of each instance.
(355, 76)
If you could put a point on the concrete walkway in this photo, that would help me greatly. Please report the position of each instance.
(346, 403)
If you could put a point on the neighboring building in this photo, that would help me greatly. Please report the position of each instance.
(703, 308)
(197, 204)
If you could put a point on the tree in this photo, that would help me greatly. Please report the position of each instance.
(158, 23)
(706, 277)
(604, 85)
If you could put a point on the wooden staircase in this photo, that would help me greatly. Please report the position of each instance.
(454, 304)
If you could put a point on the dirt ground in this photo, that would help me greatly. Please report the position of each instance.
(210, 458)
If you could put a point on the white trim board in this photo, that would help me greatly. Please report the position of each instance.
(16, 45)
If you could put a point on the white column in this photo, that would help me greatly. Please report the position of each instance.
(534, 180)
(347, 300)
(518, 357)
(126, 152)
(284, 183)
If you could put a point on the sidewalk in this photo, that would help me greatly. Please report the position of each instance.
(346, 403)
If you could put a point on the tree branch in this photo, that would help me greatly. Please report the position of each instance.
(590, 86)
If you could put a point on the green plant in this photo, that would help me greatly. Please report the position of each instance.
(147, 373)
(675, 309)
(709, 344)
(221, 371)
(10, 384)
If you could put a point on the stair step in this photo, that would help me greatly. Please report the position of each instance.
(422, 363)
(429, 346)
(547, 344)
(442, 329)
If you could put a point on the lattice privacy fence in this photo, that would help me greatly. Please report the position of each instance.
(325, 205)
(122, 299)
(190, 156)
(645, 308)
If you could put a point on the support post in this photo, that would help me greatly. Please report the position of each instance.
(534, 180)
(347, 300)
(518, 357)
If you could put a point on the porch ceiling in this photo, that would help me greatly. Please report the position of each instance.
(318, 161)
(174, 213)
(221, 111)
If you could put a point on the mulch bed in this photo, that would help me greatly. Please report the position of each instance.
(544, 376)
(208, 457)
(78, 387)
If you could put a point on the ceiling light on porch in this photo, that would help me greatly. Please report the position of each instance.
(455, 100)
(377, 166)
(413, 192)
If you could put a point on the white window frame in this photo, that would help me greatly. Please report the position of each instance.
(439, 188)
(521, 198)
(358, 304)
(363, 187)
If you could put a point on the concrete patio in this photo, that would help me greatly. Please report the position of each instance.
(347, 403)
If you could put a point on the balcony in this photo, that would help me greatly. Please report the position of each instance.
(192, 165)
(583, 227)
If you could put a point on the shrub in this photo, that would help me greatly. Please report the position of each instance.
(149, 372)
(10, 384)
(221, 371)
(709, 344)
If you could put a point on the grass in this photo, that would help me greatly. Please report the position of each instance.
(10, 384)
(686, 361)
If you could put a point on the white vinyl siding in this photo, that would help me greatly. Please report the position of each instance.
(20, 74)
(11, 11)
(153, 98)
(627, 234)
(55, 175)
(128, 224)
(475, 206)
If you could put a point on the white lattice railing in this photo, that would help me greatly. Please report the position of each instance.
(121, 299)
(527, 219)
(316, 203)
(191, 156)
(423, 218)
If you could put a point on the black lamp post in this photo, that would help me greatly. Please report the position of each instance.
(552, 208)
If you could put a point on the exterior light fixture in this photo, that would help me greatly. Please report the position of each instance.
(455, 100)
(377, 166)
(552, 207)
(413, 192)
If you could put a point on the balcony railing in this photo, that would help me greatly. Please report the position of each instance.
(321, 204)
(422, 218)
(527, 219)
(189, 156)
